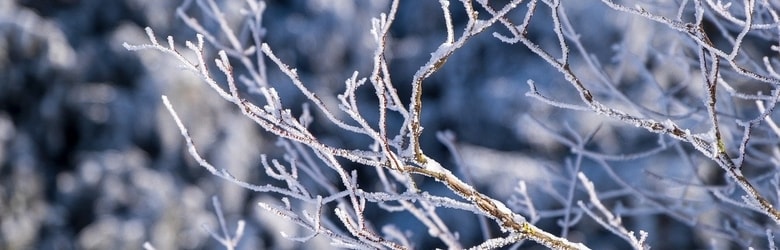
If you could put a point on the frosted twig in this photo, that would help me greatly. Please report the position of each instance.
(495, 209)
(413, 127)
(496, 243)
(611, 222)
(230, 242)
(767, 118)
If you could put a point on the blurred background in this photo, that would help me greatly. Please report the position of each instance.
(89, 158)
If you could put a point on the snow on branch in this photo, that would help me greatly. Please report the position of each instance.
(695, 107)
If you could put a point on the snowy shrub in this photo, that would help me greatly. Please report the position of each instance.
(634, 123)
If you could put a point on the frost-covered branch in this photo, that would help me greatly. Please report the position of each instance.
(609, 220)
(307, 157)
(693, 86)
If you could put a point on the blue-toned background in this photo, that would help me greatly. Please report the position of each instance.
(90, 159)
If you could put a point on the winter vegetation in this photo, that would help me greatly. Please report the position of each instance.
(515, 124)
(705, 71)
